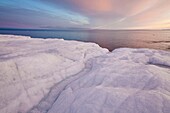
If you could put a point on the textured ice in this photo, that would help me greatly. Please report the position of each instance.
(58, 76)
(30, 67)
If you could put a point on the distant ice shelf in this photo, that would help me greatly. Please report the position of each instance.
(59, 76)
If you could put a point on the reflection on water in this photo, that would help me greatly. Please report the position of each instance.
(157, 39)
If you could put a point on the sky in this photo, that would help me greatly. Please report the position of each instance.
(85, 14)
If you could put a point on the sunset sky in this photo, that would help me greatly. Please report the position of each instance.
(93, 14)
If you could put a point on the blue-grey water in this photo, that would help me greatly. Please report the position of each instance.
(111, 39)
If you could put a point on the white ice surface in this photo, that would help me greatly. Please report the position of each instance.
(30, 67)
(58, 76)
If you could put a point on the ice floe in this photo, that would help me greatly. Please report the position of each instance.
(58, 76)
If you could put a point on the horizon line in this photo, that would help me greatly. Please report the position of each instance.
(11, 28)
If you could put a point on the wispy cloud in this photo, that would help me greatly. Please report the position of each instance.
(106, 14)
(39, 13)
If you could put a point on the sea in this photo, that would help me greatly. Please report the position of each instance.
(110, 39)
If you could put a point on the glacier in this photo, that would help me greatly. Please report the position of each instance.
(59, 76)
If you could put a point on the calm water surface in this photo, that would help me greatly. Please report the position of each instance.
(111, 39)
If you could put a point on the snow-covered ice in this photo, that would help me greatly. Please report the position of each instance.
(58, 76)
(30, 67)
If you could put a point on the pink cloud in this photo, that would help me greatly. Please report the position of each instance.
(93, 6)
(140, 14)
(155, 15)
